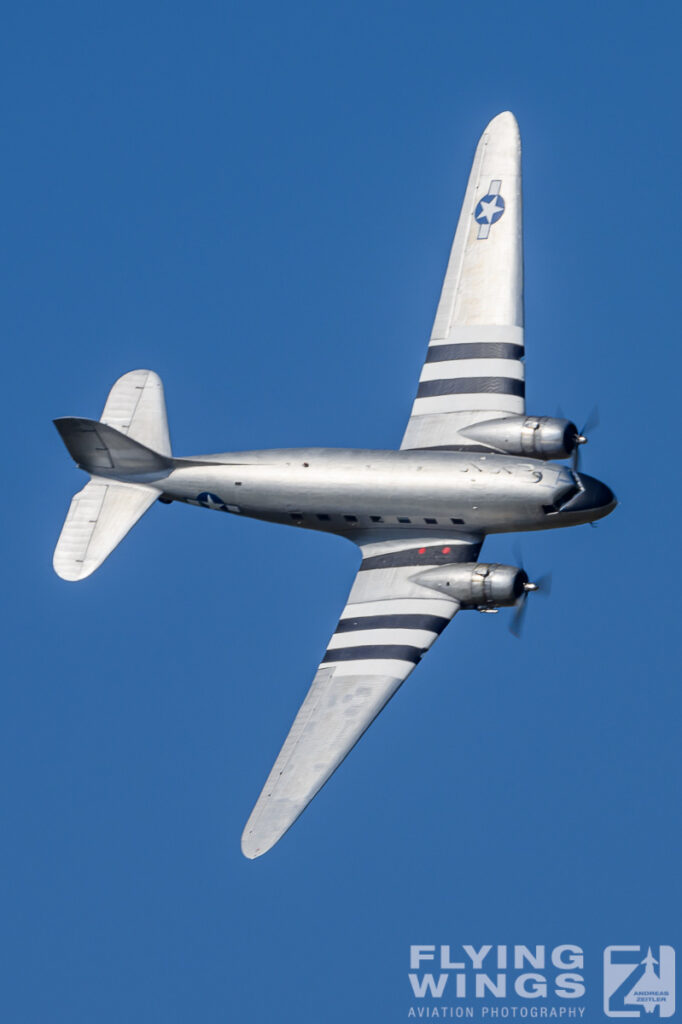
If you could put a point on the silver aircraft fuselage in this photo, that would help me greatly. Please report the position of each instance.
(350, 490)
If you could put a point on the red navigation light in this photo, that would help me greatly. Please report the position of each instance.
(422, 551)
(446, 551)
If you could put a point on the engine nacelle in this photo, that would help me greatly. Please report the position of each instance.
(541, 437)
(476, 585)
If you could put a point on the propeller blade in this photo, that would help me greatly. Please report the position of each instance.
(592, 421)
(516, 624)
(590, 424)
(543, 584)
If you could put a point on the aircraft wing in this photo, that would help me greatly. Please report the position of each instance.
(473, 369)
(387, 625)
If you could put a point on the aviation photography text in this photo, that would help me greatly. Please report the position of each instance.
(516, 982)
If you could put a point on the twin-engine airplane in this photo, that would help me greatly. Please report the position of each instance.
(472, 462)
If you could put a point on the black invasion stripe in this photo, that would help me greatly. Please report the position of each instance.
(399, 652)
(433, 623)
(477, 350)
(471, 386)
(455, 448)
(440, 554)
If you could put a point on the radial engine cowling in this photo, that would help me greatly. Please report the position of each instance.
(541, 437)
(481, 585)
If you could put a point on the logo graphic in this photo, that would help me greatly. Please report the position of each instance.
(210, 501)
(489, 209)
(636, 982)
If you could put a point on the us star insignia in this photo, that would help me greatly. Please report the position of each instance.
(489, 209)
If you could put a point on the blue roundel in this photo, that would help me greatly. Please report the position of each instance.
(211, 501)
(489, 209)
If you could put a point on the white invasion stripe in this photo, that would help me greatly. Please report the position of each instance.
(408, 542)
(459, 403)
(367, 637)
(452, 368)
(477, 333)
(427, 431)
(373, 667)
(399, 606)
(378, 584)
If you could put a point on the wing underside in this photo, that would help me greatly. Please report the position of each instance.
(387, 625)
(474, 369)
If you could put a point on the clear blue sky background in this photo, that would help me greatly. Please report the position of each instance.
(258, 201)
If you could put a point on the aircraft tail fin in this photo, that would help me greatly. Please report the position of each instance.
(131, 440)
(136, 406)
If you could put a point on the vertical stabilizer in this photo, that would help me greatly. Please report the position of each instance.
(136, 407)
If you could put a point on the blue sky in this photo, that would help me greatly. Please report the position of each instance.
(257, 201)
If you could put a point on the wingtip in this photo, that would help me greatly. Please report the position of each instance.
(504, 116)
(254, 846)
(251, 854)
(502, 134)
(266, 826)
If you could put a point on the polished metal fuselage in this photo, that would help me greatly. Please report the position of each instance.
(350, 490)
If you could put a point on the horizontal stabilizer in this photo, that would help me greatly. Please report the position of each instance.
(98, 519)
(102, 451)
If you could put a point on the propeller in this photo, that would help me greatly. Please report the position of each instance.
(542, 585)
(590, 424)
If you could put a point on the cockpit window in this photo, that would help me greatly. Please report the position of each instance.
(563, 497)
